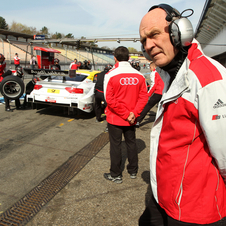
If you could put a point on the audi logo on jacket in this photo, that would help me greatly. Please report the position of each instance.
(125, 91)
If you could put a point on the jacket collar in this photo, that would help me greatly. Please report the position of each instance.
(122, 63)
(180, 84)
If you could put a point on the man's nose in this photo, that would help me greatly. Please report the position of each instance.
(149, 44)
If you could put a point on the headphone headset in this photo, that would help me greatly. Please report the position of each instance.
(180, 28)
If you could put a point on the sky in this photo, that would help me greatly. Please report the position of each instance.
(91, 18)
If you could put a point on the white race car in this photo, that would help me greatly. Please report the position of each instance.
(76, 91)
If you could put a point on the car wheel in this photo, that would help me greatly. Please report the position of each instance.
(12, 87)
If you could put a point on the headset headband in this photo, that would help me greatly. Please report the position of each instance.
(171, 12)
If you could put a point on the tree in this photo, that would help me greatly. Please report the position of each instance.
(105, 47)
(44, 31)
(69, 35)
(132, 50)
(93, 44)
(3, 24)
(57, 35)
(18, 27)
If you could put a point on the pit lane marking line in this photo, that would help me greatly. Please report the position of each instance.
(70, 120)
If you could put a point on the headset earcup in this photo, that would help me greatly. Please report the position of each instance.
(145, 53)
(174, 34)
(181, 32)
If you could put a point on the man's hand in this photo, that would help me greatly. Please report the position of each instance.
(131, 118)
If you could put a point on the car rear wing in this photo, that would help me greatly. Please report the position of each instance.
(46, 72)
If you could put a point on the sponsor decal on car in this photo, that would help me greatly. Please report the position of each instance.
(50, 100)
(57, 91)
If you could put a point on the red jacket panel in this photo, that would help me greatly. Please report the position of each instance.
(125, 91)
(188, 158)
(73, 66)
(2, 68)
(157, 85)
(16, 60)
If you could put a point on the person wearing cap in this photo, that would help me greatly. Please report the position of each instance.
(87, 65)
(56, 63)
(16, 60)
(187, 147)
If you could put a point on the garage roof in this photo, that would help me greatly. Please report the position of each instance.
(212, 21)
(15, 34)
(46, 49)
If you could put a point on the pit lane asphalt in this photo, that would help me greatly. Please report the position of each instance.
(35, 142)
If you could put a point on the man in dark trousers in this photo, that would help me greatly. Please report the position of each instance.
(125, 92)
(99, 93)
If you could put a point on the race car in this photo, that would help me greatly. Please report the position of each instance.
(72, 91)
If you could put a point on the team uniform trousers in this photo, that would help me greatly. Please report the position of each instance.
(115, 137)
(99, 98)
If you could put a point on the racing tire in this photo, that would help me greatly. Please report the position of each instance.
(12, 87)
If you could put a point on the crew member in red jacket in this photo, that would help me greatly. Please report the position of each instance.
(74, 65)
(16, 60)
(125, 92)
(154, 93)
(2, 75)
(2, 66)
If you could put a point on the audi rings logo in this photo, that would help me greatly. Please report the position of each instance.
(129, 81)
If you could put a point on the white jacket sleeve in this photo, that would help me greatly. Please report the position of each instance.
(212, 116)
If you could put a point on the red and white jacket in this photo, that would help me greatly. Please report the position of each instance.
(157, 84)
(2, 69)
(188, 144)
(125, 91)
(16, 60)
(73, 66)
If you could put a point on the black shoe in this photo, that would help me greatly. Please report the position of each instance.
(9, 110)
(133, 175)
(117, 180)
(99, 120)
(106, 129)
